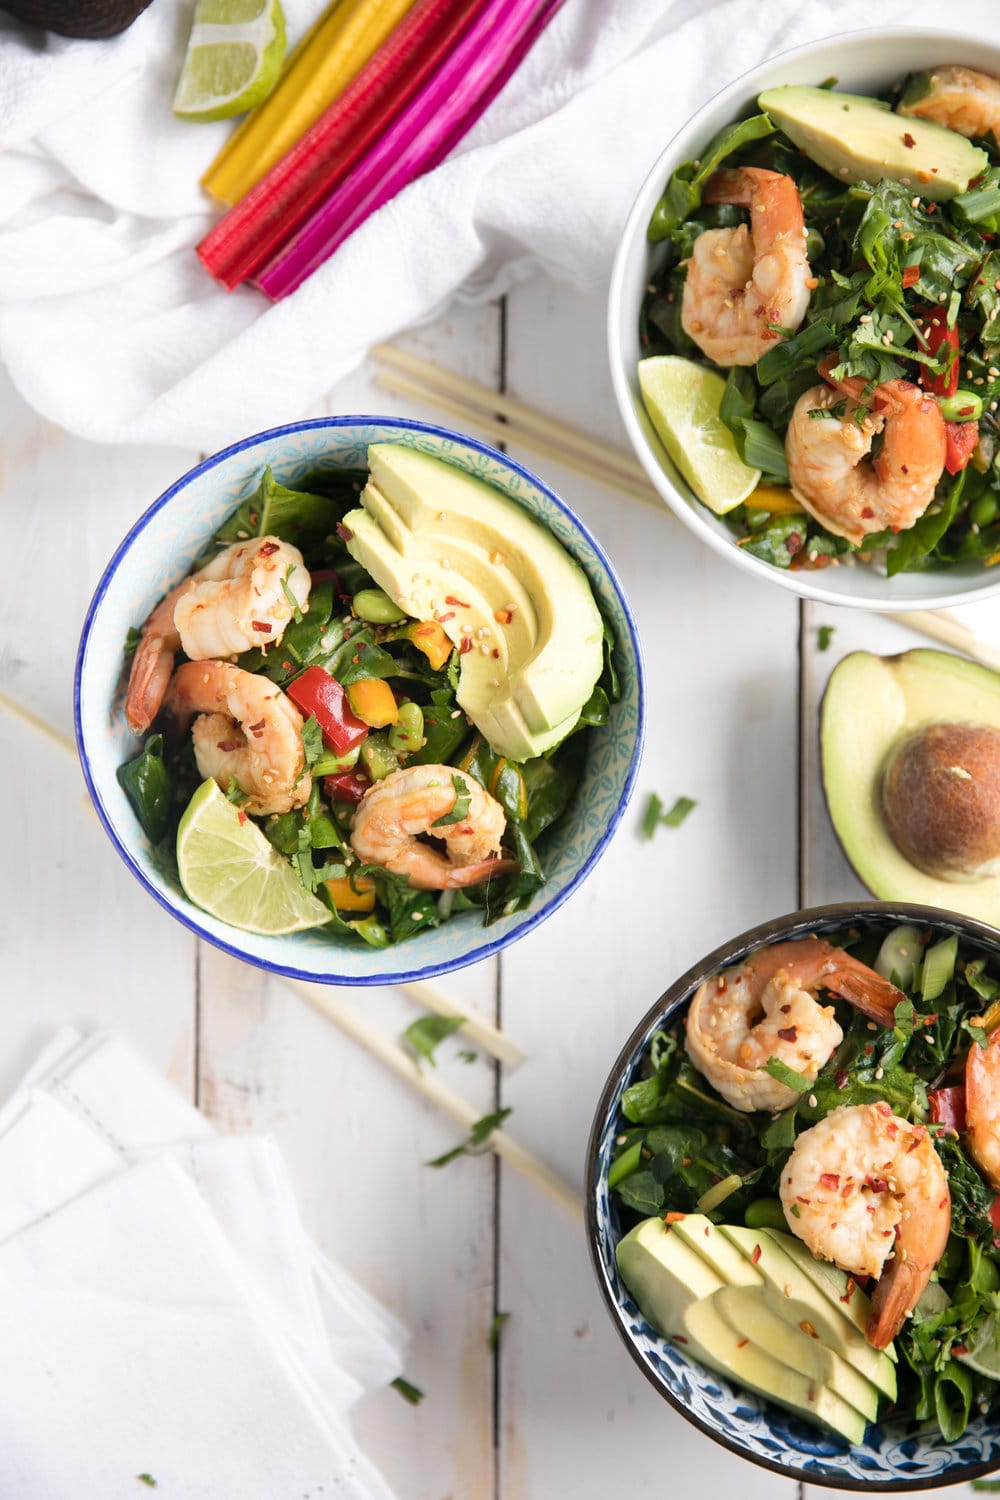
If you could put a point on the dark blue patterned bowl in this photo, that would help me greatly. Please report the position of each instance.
(893, 1456)
(159, 551)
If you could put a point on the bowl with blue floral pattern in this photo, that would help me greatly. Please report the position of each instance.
(896, 1453)
(160, 551)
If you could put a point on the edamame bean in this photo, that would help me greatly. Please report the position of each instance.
(406, 736)
(984, 509)
(964, 406)
(375, 606)
(766, 1213)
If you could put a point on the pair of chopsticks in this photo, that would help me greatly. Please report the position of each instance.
(501, 417)
(332, 1005)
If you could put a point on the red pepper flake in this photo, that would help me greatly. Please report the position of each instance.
(226, 746)
(877, 1184)
(344, 532)
(808, 1328)
(911, 275)
(242, 817)
(679, 1338)
(959, 1349)
(840, 1078)
(267, 549)
(495, 654)
(849, 1290)
(785, 1010)
(908, 141)
(257, 728)
(830, 1180)
(755, 1257)
(869, 1049)
(674, 1218)
(448, 615)
(465, 645)
(461, 603)
(867, 512)
(742, 1343)
(503, 616)
(788, 1033)
(287, 666)
(262, 626)
(794, 544)
(800, 1199)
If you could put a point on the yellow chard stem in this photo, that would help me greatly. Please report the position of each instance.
(321, 67)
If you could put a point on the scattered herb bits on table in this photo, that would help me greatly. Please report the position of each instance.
(807, 1174)
(821, 333)
(366, 705)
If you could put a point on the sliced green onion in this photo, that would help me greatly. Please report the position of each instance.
(624, 1165)
(939, 966)
(719, 1193)
(899, 955)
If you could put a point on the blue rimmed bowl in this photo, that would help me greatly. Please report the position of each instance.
(159, 551)
(892, 1456)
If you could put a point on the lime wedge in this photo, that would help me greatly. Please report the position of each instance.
(228, 868)
(984, 1354)
(233, 59)
(683, 401)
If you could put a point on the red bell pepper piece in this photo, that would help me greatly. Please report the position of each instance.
(933, 324)
(316, 692)
(346, 786)
(960, 439)
(995, 1214)
(948, 1106)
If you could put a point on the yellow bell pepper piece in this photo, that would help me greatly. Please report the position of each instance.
(774, 498)
(372, 701)
(346, 898)
(430, 638)
(321, 67)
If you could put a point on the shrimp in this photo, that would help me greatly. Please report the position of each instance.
(827, 454)
(982, 1107)
(246, 728)
(861, 1183)
(244, 597)
(766, 1007)
(741, 281)
(407, 803)
(961, 99)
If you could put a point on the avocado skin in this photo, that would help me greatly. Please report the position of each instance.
(858, 139)
(871, 704)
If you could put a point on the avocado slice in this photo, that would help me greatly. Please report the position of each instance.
(753, 1317)
(857, 139)
(676, 1290)
(872, 705)
(447, 546)
(799, 1301)
(831, 1281)
(708, 1241)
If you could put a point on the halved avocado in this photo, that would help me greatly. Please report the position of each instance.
(871, 719)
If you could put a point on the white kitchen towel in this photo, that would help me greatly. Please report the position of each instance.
(90, 1106)
(134, 1344)
(111, 328)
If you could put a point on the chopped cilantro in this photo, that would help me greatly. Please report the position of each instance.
(784, 1074)
(411, 1393)
(460, 807)
(654, 814)
(424, 1035)
(478, 1136)
(235, 794)
(824, 633)
(493, 1337)
(147, 1479)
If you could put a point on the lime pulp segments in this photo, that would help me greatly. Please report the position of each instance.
(233, 59)
(683, 401)
(228, 869)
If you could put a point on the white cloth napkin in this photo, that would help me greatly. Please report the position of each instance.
(164, 1312)
(111, 328)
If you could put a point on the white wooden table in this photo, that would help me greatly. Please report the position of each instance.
(734, 675)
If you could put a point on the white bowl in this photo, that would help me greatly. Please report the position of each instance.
(863, 62)
(159, 551)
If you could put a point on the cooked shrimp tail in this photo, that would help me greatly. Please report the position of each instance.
(766, 1008)
(398, 814)
(245, 596)
(744, 285)
(868, 1191)
(247, 729)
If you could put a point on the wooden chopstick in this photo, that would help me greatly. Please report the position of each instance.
(504, 432)
(428, 1083)
(475, 1027)
(518, 413)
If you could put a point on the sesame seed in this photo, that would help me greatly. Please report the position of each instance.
(812, 1101)
(880, 1072)
(455, 713)
(445, 562)
(914, 202)
(873, 1026)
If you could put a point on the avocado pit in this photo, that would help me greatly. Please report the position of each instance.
(941, 800)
